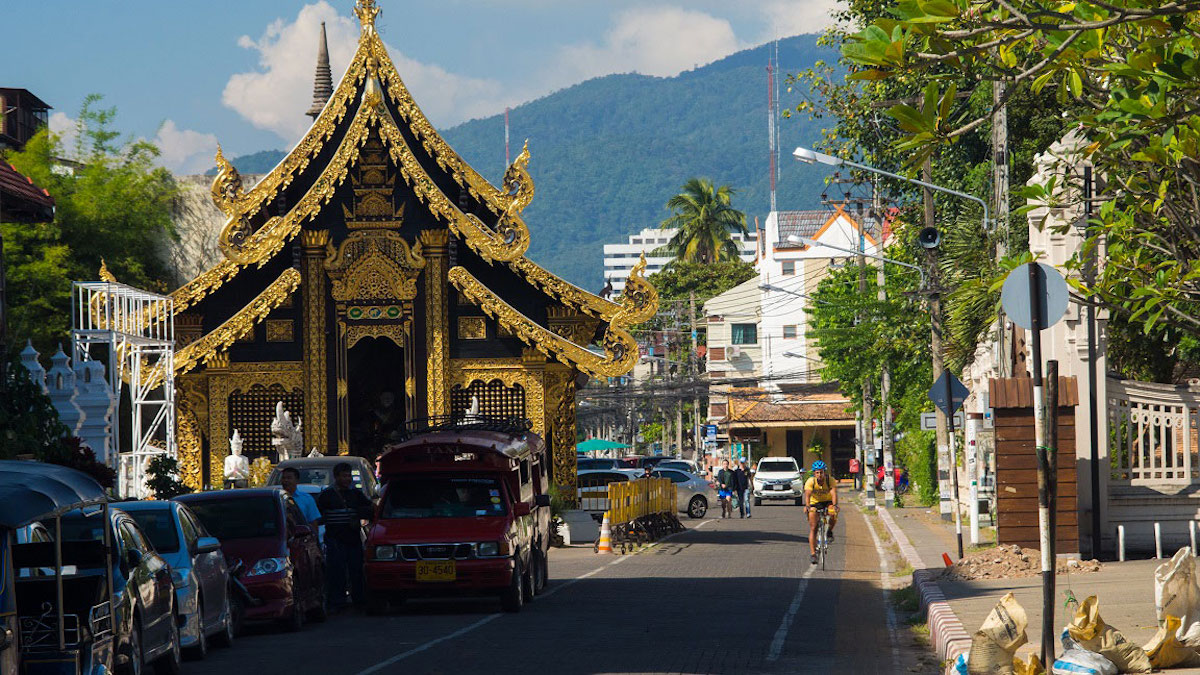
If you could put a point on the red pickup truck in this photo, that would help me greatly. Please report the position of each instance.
(464, 511)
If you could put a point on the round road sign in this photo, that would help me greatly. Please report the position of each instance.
(1052, 295)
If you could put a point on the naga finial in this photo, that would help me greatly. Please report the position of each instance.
(106, 275)
(227, 186)
(639, 300)
(366, 10)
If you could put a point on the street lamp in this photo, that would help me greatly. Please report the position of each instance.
(813, 157)
(805, 241)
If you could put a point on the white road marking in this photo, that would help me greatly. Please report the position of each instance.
(786, 624)
(492, 617)
(884, 566)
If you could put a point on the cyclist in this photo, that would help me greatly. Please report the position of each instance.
(819, 492)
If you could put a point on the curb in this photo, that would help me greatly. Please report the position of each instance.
(946, 631)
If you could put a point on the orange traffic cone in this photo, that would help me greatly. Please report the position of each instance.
(605, 543)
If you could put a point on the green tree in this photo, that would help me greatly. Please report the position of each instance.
(1131, 70)
(28, 422)
(114, 205)
(162, 477)
(706, 220)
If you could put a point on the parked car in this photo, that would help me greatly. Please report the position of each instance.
(778, 478)
(679, 465)
(265, 537)
(591, 487)
(147, 621)
(465, 511)
(318, 471)
(197, 569)
(601, 464)
(633, 461)
(693, 493)
(30, 606)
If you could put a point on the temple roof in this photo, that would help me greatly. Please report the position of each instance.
(22, 201)
(372, 105)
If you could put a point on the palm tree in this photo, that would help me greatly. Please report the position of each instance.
(705, 221)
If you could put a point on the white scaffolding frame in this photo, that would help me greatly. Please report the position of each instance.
(137, 328)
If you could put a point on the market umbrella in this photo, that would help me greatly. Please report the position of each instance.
(593, 444)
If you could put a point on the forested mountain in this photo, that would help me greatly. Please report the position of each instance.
(609, 152)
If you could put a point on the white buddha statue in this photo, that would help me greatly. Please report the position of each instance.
(237, 466)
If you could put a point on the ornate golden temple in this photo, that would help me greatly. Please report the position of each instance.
(373, 277)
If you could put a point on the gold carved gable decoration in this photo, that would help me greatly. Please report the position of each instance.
(374, 265)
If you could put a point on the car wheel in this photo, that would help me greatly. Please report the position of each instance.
(133, 652)
(512, 599)
(200, 649)
(528, 583)
(295, 620)
(758, 501)
(228, 628)
(237, 614)
(541, 572)
(697, 507)
(171, 663)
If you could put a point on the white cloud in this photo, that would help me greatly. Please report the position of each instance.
(67, 130)
(793, 17)
(660, 41)
(185, 151)
(275, 96)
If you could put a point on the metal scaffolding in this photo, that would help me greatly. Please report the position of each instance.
(135, 330)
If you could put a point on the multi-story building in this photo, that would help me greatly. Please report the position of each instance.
(619, 259)
(766, 393)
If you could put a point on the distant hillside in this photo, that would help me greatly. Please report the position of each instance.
(609, 152)
(259, 162)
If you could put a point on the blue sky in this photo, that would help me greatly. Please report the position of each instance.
(190, 73)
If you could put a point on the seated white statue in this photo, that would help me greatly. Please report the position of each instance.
(237, 466)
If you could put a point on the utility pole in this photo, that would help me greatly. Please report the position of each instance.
(1000, 198)
(1089, 278)
(868, 437)
(885, 390)
(935, 343)
(696, 394)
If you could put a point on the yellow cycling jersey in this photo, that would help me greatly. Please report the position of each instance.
(819, 492)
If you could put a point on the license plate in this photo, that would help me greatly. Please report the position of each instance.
(435, 570)
(776, 487)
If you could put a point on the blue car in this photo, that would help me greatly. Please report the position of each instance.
(198, 572)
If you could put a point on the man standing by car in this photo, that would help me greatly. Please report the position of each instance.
(742, 484)
(289, 480)
(343, 507)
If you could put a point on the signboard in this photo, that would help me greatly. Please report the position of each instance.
(710, 432)
(958, 393)
(929, 421)
(1051, 293)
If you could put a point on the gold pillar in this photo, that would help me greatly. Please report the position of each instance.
(435, 247)
(343, 391)
(560, 427)
(316, 410)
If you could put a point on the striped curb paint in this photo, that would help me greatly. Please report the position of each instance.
(946, 632)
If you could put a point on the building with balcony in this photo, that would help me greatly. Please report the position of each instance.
(21, 115)
(619, 259)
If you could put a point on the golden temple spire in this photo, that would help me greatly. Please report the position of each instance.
(366, 10)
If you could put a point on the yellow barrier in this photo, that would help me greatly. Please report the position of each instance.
(630, 500)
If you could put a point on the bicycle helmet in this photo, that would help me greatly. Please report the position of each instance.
(818, 466)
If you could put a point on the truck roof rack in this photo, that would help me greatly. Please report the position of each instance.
(504, 425)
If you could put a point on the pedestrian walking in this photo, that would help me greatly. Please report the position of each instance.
(725, 489)
(744, 484)
(343, 507)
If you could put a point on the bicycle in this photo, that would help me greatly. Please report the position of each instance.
(822, 545)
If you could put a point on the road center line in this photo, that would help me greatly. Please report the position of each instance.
(492, 617)
(786, 624)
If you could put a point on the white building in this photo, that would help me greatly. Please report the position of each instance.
(788, 274)
(619, 259)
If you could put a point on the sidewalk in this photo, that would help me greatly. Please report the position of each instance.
(1125, 590)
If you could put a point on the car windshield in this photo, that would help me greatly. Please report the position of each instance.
(777, 466)
(239, 517)
(682, 466)
(308, 476)
(159, 526)
(596, 464)
(80, 527)
(443, 497)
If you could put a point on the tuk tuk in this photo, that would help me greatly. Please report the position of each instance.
(51, 620)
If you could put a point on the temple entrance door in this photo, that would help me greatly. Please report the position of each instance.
(376, 395)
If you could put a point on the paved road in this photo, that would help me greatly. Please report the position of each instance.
(726, 596)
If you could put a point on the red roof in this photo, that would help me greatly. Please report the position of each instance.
(20, 199)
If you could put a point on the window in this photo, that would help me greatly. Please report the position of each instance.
(674, 476)
(744, 333)
(789, 332)
(789, 268)
(159, 525)
(716, 374)
(718, 409)
(444, 497)
(716, 354)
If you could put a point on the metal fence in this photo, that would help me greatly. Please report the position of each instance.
(1152, 432)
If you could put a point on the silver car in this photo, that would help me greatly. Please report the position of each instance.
(198, 572)
(694, 494)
